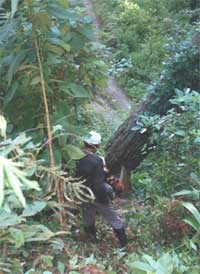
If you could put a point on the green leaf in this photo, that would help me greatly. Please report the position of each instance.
(73, 152)
(194, 194)
(197, 140)
(65, 46)
(36, 80)
(10, 93)
(47, 260)
(79, 91)
(75, 90)
(63, 3)
(55, 49)
(61, 13)
(14, 4)
(9, 219)
(140, 266)
(36, 233)
(73, 262)
(42, 21)
(180, 133)
(16, 237)
(90, 260)
(135, 128)
(150, 260)
(165, 265)
(182, 193)
(193, 223)
(193, 210)
(3, 126)
(15, 62)
(88, 32)
(193, 245)
(77, 42)
(34, 208)
(61, 267)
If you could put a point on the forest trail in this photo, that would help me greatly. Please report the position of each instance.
(112, 104)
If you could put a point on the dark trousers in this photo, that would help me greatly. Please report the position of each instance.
(107, 211)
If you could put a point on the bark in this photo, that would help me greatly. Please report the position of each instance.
(125, 148)
(194, 4)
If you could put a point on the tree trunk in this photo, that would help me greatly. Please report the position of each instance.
(194, 4)
(125, 148)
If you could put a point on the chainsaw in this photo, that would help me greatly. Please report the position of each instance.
(117, 185)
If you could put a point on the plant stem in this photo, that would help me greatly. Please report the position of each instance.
(4, 252)
(54, 183)
(60, 191)
(44, 96)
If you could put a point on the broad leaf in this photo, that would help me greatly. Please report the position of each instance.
(193, 194)
(150, 260)
(73, 152)
(35, 233)
(15, 62)
(16, 237)
(11, 93)
(165, 265)
(140, 266)
(78, 91)
(75, 90)
(193, 210)
(61, 13)
(77, 42)
(9, 219)
(36, 80)
(55, 49)
(34, 208)
(193, 223)
(88, 32)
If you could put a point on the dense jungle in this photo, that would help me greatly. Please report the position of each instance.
(130, 70)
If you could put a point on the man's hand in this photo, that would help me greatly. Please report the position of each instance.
(117, 184)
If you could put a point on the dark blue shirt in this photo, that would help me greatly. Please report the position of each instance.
(91, 169)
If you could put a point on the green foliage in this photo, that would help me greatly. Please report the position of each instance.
(137, 31)
(165, 264)
(13, 174)
(175, 142)
(69, 59)
(19, 227)
(172, 229)
(194, 221)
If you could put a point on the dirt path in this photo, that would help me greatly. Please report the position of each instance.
(113, 105)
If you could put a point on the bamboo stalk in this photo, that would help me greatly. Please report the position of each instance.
(55, 184)
(44, 96)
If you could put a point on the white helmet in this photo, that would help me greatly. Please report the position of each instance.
(94, 138)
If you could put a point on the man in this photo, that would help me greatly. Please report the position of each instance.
(91, 168)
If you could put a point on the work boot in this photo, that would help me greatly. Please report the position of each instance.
(121, 235)
(90, 232)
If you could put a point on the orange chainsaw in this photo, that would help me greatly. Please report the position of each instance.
(117, 185)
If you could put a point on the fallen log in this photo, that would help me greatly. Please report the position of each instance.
(125, 148)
